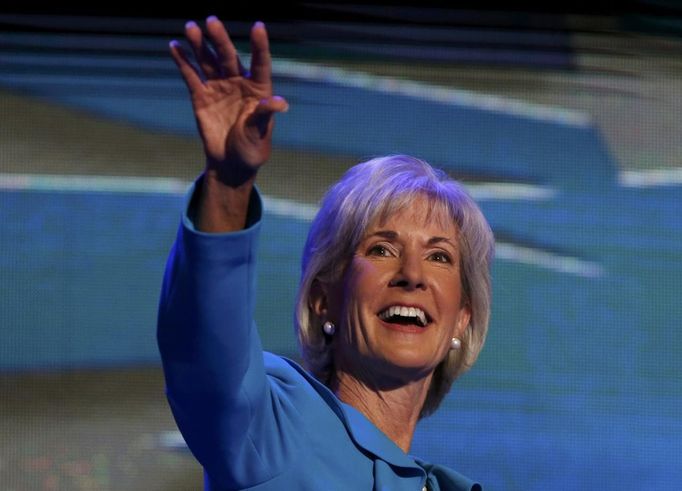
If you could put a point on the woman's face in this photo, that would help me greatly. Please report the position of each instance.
(399, 302)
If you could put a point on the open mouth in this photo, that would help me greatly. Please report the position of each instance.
(405, 316)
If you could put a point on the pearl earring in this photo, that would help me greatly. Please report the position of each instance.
(329, 328)
(455, 343)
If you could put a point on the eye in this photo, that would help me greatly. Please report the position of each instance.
(440, 257)
(378, 250)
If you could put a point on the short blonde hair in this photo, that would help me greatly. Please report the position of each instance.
(372, 191)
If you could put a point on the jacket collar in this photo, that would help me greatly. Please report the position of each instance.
(372, 440)
(447, 478)
(363, 432)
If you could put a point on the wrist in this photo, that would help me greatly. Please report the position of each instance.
(221, 207)
(230, 172)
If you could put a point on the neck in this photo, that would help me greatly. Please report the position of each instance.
(394, 411)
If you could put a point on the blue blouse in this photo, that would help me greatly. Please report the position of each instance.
(255, 420)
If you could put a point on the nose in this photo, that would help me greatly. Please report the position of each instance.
(410, 274)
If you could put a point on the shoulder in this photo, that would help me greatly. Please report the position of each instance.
(283, 370)
(292, 383)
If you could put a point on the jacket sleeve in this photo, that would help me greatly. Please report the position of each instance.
(212, 358)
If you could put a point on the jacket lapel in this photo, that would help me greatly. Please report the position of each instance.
(393, 468)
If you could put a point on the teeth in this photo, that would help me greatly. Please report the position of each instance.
(404, 312)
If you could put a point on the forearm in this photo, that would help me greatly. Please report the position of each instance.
(206, 307)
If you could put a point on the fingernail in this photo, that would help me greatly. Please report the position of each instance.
(211, 18)
(258, 24)
(280, 98)
(190, 24)
(173, 44)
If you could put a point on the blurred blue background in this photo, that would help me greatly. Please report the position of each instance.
(567, 151)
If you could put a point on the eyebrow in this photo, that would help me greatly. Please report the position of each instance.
(392, 235)
(436, 240)
(386, 234)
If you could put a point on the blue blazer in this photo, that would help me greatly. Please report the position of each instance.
(255, 420)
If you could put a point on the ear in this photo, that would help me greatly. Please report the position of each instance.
(463, 320)
(318, 299)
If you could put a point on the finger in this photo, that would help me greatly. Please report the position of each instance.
(226, 52)
(203, 53)
(261, 63)
(187, 70)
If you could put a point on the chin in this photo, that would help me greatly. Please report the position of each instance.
(407, 364)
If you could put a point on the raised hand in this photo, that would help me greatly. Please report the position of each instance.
(233, 107)
(234, 110)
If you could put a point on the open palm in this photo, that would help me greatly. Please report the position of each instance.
(233, 108)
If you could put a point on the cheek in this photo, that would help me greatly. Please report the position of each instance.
(363, 279)
(451, 298)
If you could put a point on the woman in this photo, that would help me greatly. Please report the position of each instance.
(393, 304)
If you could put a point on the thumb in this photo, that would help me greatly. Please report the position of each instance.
(262, 116)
